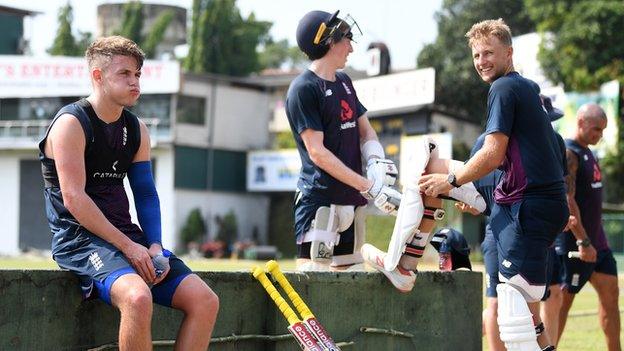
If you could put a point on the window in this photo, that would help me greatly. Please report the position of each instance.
(191, 109)
(195, 169)
(8, 109)
(191, 168)
(153, 106)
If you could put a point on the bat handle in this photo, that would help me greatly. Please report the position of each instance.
(283, 306)
(275, 271)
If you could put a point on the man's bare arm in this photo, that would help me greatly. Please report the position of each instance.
(328, 162)
(484, 161)
(366, 130)
(487, 159)
(67, 145)
(576, 227)
(572, 163)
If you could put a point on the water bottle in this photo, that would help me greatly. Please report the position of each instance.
(445, 263)
(161, 262)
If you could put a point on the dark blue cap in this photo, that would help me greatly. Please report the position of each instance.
(453, 239)
(552, 112)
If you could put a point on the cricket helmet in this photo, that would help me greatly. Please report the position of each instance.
(317, 29)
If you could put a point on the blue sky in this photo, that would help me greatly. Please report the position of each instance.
(404, 25)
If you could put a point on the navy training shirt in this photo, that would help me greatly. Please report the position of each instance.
(533, 160)
(588, 194)
(332, 108)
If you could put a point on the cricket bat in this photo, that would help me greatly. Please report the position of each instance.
(304, 338)
(308, 318)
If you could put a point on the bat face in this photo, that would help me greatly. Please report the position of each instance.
(304, 337)
(319, 332)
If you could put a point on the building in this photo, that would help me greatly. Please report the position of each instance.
(13, 41)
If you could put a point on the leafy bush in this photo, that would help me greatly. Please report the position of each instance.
(194, 229)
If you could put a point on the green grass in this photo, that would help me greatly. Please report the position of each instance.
(582, 331)
(194, 264)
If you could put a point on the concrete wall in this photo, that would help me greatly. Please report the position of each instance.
(242, 121)
(42, 310)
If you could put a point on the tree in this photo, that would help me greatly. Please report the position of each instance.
(132, 27)
(156, 35)
(458, 87)
(194, 229)
(582, 49)
(65, 44)
(222, 41)
(585, 48)
(275, 54)
(132, 21)
(227, 230)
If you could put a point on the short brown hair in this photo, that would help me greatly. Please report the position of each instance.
(487, 28)
(102, 50)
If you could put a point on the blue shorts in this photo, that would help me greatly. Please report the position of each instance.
(554, 270)
(490, 259)
(97, 263)
(305, 209)
(524, 231)
(576, 272)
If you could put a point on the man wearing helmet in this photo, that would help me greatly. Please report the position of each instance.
(333, 133)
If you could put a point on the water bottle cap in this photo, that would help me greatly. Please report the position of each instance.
(166, 253)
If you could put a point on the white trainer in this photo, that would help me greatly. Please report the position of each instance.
(402, 279)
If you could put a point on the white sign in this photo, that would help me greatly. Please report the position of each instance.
(27, 77)
(397, 91)
(273, 170)
(413, 144)
(374, 62)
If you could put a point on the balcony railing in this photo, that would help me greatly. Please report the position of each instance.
(27, 133)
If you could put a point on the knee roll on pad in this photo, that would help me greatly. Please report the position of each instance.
(323, 235)
(515, 321)
(359, 237)
(418, 162)
(531, 293)
(345, 216)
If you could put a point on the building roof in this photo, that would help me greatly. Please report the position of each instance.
(268, 79)
(16, 11)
